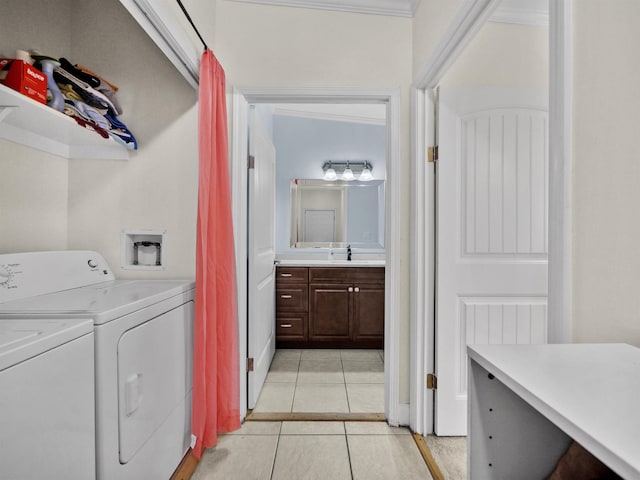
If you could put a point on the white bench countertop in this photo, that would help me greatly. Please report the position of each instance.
(590, 391)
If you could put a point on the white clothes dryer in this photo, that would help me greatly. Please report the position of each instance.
(47, 423)
(143, 332)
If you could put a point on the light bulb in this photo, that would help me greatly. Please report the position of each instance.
(330, 174)
(365, 176)
(347, 175)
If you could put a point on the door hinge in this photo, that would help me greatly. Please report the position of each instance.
(251, 162)
(432, 381)
(249, 364)
(432, 154)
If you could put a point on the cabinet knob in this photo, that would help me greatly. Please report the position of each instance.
(286, 296)
(350, 289)
(357, 289)
(285, 325)
(286, 274)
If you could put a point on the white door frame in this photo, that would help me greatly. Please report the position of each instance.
(242, 96)
(468, 21)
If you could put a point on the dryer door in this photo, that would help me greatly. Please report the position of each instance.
(154, 376)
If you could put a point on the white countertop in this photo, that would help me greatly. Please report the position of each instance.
(289, 262)
(590, 391)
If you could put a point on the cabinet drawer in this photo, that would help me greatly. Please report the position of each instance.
(291, 326)
(292, 274)
(292, 298)
(371, 275)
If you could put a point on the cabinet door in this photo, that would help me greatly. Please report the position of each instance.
(330, 312)
(368, 312)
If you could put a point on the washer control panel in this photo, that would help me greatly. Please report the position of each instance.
(38, 273)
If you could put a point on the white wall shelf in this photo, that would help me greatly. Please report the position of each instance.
(30, 123)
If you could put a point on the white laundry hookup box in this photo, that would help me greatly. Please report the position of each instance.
(142, 249)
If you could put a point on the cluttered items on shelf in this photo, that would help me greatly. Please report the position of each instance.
(72, 89)
(24, 78)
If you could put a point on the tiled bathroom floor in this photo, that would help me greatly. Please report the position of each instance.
(324, 381)
(314, 450)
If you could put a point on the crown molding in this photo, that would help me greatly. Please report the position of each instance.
(397, 8)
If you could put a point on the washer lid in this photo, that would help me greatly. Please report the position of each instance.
(24, 339)
(103, 302)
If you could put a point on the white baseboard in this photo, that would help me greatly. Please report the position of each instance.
(403, 415)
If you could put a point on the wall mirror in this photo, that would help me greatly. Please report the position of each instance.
(337, 213)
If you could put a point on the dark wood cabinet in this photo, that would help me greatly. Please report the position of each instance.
(332, 307)
(292, 304)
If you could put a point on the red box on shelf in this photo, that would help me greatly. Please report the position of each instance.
(24, 78)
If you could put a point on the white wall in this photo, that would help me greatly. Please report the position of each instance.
(606, 172)
(33, 184)
(262, 45)
(431, 20)
(33, 200)
(157, 188)
(503, 55)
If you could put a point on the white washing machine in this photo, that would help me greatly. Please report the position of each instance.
(47, 422)
(143, 332)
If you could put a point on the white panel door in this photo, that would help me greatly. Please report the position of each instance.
(261, 273)
(491, 269)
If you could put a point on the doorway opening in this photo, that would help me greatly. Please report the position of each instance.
(299, 372)
(320, 303)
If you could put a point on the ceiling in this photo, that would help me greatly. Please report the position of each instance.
(374, 114)
(530, 12)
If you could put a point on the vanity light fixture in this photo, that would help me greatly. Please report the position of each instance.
(347, 170)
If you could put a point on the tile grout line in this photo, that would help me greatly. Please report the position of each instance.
(346, 440)
(295, 388)
(346, 393)
(275, 455)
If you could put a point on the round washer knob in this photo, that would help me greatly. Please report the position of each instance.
(5, 275)
(92, 263)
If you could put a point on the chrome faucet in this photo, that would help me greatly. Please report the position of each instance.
(349, 253)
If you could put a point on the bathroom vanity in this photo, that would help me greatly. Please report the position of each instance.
(330, 306)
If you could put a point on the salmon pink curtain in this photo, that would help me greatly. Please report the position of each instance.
(216, 391)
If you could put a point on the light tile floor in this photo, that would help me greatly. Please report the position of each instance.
(450, 454)
(314, 450)
(324, 381)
